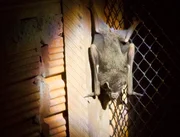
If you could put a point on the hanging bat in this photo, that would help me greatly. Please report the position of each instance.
(112, 57)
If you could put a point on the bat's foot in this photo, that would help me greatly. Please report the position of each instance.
(136, 94)
(91, 95)
(97, 88)
(136, 21)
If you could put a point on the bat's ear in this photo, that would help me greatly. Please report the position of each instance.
(136, 21)
(106, 85)
(101, 26)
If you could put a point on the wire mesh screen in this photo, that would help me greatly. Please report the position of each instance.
(154, 69)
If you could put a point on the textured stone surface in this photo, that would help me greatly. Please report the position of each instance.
(32, 45)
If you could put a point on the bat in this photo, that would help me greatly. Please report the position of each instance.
(112, 57)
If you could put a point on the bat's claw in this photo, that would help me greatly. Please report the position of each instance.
(97, 88)
(90, 95)
(136, 94)
(136, 20)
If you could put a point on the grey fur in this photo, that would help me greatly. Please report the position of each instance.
(112, 61)
(112, 57)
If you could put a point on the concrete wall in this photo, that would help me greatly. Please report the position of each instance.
(45, 71)
(32, 89)
(87, 118)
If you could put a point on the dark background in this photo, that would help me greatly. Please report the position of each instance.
(166, 14)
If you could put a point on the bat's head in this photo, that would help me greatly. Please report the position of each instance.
(114, 87)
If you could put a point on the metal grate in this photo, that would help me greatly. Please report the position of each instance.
(154, 72)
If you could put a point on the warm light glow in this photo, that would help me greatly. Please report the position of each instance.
(119, 117)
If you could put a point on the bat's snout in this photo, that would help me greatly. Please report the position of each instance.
(114, 95)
